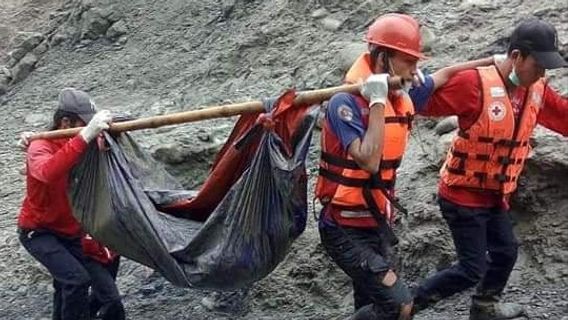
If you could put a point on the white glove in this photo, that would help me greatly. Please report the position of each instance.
(419, 78)
(376, 89)
(499, 58)
(98, 123)
(24, 141)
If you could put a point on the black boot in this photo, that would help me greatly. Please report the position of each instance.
(489, 308)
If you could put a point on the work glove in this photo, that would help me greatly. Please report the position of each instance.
(376, 89)
(499, 58)
(419, 78)
(98, 123)
(24, 141)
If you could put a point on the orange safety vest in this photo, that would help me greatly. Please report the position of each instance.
(343, 184)
(490, 155)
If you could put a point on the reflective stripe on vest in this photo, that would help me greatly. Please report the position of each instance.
(490, 155)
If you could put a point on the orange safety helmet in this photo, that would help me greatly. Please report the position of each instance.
(396, 31)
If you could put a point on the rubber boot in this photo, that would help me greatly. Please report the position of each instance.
(489, 308)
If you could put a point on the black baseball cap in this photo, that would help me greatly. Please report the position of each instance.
(540, 39)
(78, 102)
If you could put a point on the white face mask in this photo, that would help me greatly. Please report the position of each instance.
(406, 86)
(514, 78)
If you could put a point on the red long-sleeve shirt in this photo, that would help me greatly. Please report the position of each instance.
(46, 205)
(462, 96)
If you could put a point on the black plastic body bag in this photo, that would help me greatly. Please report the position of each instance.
(115, 195)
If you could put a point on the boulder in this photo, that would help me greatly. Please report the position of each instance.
(24, 67)
(349, 52)
(94, 24)
(117, 29)
(446, 125)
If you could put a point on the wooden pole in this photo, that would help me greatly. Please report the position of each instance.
(305, 97)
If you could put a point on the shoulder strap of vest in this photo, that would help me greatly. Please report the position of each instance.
(360, 70)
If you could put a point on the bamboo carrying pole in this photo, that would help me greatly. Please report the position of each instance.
(304, 97)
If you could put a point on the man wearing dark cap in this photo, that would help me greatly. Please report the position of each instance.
(498, 108)
(47, 228)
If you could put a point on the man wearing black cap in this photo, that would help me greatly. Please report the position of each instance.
(497, 108)
(47, 228)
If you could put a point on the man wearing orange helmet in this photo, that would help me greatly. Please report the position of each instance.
(363, 140)
(498, 108)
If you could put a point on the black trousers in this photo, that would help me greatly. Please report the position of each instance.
(486, 248)
(64, 259)
(362, 254)
(104, 299)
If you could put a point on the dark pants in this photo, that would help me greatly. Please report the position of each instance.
(362, 254)
(104, 299)
(486, 248)
(64, 259)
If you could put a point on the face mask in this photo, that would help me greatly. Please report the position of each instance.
(406, 86)
(514, 78)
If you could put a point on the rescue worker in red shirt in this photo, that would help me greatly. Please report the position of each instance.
(498, 108)
(47, 229)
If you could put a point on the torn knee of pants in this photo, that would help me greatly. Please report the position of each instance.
(399, 293)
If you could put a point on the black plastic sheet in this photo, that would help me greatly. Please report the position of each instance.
(116, 195)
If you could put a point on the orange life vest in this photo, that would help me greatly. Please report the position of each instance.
(342, 182)
(490, 155)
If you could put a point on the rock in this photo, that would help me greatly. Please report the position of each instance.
(58, 38)
(349, 52)
(5, 71)
(117, 29)
(204, 136)
(17, 54)
(94, 24)
(484, 5)
(28, 40)
(41, 48)
(320, 13)
(4, 81)
(25, 42)
(428, 38)
(36, 119)
(11, 62)
(122, 40)
(227, 8)
(463, 37)
(24, 67)
(331, 24)
(446, 125)
(58, 17)
(111, 14)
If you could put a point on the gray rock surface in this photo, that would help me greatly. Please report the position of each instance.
(184, 54)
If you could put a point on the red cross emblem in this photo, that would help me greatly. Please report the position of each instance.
(497, 111)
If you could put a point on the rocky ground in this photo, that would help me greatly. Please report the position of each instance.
(155, 57)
